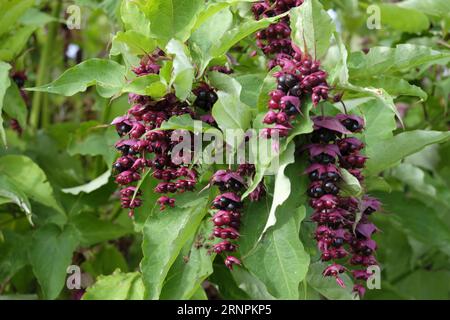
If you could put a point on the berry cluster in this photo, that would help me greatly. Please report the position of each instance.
(275, 40)
(299, 78)
(229, 205)
(143, 139)
(143, 146)
(330, 150)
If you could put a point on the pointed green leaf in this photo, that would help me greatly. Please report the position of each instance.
(165, 234)
(192, 266)
(282, 188)
(312, 28)
(30, 178)
(118, 286)
(50, 255)
(183, 70)
(94, 230)
(171, 18)
(387, 153)
(279, 260)
(11, 192)
(107, 75)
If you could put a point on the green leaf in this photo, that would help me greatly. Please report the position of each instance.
(4, 85)
(230, 113)
(199, 294)
(94, 230)
(14, 105)
(150, 85)
(105, 262)
(242, 30)
(269, 84)
(192, 266)
(90, 139)
(279, 260)
(11, 11)
(211, 10)
(417, 220)
(92, 185)
(107, 75)
(12, 44)
(118, 286)
(327, 286)
(439, 8)
(349, 184)
(134, 19)
(134, 42)
(251, 85)
(223, 278)
(425, 285)
(171, 18)
(9, 191)
(312, 28)
(35, 17)
(282, 188)
(339, 71)
(225, 82)
(380, 122)
(403, 19)
(415, 178)
(378, 93)
(13, 253)
(208, 34)
(29, 178)
(387, 153)
(183, 70)
(50, 255)
(393, 85)
(184, 122)
(384, 60)
(264, 163)
(250, 284)
(165, 234)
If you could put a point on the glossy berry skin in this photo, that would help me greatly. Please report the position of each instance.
(351, 125)
(206, 97)
(323, 136)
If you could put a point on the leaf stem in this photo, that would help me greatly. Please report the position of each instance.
(43, 73)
